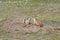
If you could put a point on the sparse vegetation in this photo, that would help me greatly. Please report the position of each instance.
(45, 10)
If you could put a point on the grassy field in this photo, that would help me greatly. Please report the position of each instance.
(45, 10)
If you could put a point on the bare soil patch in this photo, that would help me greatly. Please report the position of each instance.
(16, 25)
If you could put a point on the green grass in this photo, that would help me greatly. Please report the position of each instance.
(29, 4)
(2, 19)
(55, 38)
(45, 10)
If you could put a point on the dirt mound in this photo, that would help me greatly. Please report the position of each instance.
(15, 25)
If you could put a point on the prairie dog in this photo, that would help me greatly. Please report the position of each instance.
(33, 21)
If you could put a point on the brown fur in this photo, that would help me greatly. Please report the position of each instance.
(33, 21)
(38, 23)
